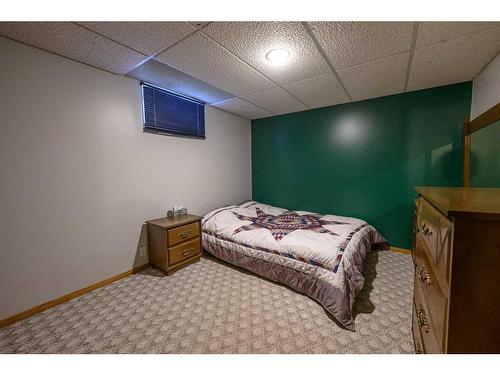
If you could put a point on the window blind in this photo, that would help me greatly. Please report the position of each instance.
(168, 113)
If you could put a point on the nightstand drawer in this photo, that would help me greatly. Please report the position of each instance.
(184, 251)
(183, 233)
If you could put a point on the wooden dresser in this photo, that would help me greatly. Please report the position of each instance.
(457, 271)
(174, 243)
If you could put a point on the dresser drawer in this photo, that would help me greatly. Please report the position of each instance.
(429, 293)
(417, 336)
(432, 335)
(428, 224)
(184, 251)
(426, 270)
(435, 230)
(183, 233)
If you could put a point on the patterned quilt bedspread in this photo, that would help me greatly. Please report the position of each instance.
(319, 255)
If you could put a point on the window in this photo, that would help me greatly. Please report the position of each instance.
(172, 114)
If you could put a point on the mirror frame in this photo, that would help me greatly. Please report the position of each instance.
(489, 117)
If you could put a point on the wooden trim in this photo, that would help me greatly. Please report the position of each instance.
(466, 153)
(400, 250)
(485, 119)
(47, 305)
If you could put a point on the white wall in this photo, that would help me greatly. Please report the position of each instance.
(79, 177)
(486, 89)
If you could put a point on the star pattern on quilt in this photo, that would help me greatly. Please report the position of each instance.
(285, 223)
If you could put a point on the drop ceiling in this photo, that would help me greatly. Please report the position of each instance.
(224, 64)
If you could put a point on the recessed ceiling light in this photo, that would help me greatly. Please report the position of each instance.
(278, 55)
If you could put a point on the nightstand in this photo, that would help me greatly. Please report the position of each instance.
(174, 242)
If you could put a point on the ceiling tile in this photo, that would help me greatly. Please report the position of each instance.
(353, 43)
(434, 32)
(276, 100)
(243, 108)
(204, 59)
(453, 61)
(252, 40)
(75, 42)
(318, 91)
(171, 79)
(376, 78)
(146, 37)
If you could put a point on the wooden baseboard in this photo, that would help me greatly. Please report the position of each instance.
(400, 250)
(47, 305)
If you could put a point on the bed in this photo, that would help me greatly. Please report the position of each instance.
(318, 255)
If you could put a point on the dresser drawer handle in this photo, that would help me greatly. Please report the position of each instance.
(422, 319)
(426, 228)
(424, 276)
(184, 234)
(186, 252)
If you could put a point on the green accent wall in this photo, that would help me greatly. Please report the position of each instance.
(485, 156)
(363, 159)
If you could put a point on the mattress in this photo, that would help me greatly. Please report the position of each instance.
(318, 255)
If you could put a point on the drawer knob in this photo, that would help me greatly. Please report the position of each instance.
(424, 276)
(184, 234)
(422, 319)
(186, 252)
(426, 228)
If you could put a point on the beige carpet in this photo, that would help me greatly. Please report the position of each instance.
(210, 307)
